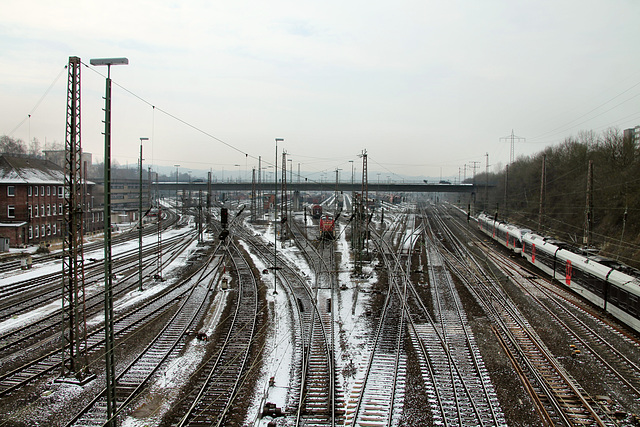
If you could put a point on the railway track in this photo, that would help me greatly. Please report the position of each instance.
(313, 398)
(14, 264)
(134, 377)
(590, 335)
(36, 330)
(378, 395)
(560, 399)
(458, 386)
(33, 364)
(465, 393)
(321, 401)
(27, 295)
(219, 380)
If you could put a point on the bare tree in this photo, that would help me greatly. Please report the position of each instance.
(35, 148)
(10, 145)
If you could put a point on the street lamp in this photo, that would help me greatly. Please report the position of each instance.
(108, 291)
(275, 223)
(177, 166)
(188, 193)
(140, 219)
(290, 215)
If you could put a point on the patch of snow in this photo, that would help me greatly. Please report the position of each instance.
(277, 355)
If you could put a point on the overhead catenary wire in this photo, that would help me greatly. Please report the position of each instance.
(570, 124)
(44, 95)
(173, 116)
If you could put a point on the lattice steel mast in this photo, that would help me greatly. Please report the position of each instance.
(253, 195)
(74, 327)
(283, 209)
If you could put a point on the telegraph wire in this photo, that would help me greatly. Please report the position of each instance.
(173, 116)
(567, 126)
(33, 110)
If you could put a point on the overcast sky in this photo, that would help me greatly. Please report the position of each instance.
(424, 86)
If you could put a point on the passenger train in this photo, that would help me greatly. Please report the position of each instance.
(611, 286)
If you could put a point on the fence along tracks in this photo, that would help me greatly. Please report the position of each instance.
(559, 399)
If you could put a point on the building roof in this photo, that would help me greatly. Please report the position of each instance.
(29, 170)
(13, 224)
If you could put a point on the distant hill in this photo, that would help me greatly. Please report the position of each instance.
(616, 192)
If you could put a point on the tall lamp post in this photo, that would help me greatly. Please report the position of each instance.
(140, 219)
(275, 224)
(108, 291)
(177, 166)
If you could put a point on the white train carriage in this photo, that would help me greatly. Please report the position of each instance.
(486, 224)
(541, 252)
(622, 297)
(510, 236)
(611, 286)
(506, 234)
(583, 274)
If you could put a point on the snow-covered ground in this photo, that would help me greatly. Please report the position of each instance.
(351, 326)
(95, 287)
(164, 391)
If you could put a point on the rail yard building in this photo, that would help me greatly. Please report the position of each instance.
(32, 202)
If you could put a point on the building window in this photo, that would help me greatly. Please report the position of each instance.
(48, 190)
(48, 229)
(54, 210)
(36, 193)
(36, 214)
(11, 190)
(42, 210)
(60, 193)
(48, 209)
(60, 208)
(11, 211)
(30, 212)
(54, 229)
(42, 192)
(43, 231)
(30, 232)
(37, 231)
(30, 191)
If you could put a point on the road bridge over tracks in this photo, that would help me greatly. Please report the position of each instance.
(324, 186)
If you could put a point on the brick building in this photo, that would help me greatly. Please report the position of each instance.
(32, 201)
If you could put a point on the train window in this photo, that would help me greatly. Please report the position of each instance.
(546, 259)
(589, 282)
(634, 301)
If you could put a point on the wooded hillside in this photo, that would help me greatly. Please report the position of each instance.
(615, 195)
